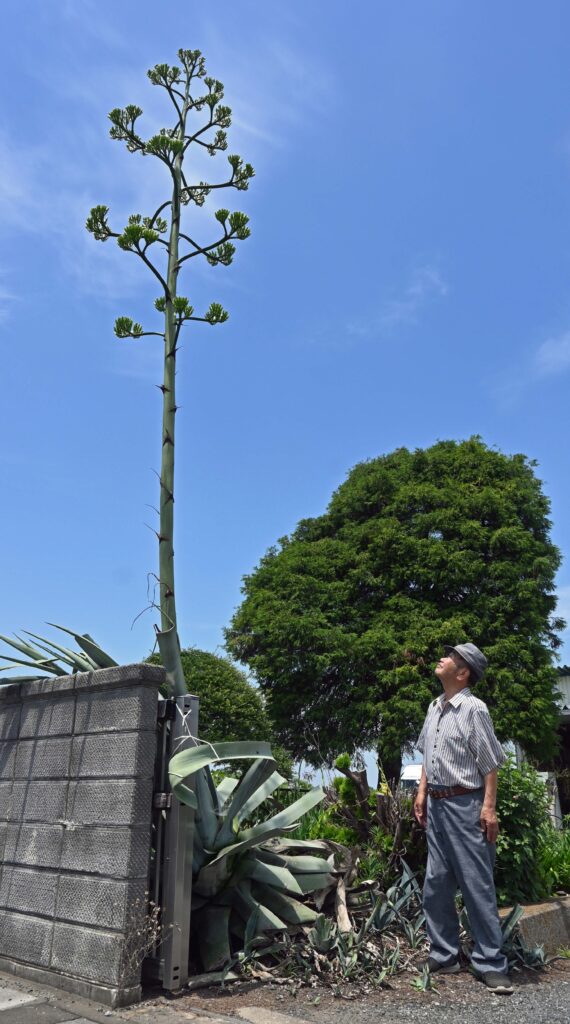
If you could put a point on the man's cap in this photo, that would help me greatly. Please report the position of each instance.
(472, 655)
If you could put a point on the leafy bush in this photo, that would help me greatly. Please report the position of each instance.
(522, 809)
(231, 709)
(554, 858)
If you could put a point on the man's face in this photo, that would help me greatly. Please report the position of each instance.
(452, 669)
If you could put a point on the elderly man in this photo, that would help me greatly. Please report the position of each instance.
(456, 802)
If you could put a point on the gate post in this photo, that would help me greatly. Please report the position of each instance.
(174, 843)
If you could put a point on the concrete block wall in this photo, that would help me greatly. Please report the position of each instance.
(77, 760)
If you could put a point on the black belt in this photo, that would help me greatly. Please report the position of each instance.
(438, 794)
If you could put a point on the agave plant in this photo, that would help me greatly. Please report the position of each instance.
(249, 880)
(45, 657)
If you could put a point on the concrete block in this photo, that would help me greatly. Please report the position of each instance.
(26, 938)
(89, 954)
(9, 721)
(114, 852)
(7, 759)
(110, 802)
(32, 892)
(99, 901)
(38, 800)
(49, 686)
(121, 675)
(545, 924)
(10, 693)
(121, 754)
(116, 710)
(5, 800)
(38, 758)
(33, 845)
(47, 717)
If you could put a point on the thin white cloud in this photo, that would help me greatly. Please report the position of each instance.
(550, 359)
(553, 356)
(426, 285)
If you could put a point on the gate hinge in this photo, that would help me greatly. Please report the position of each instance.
(162, 801)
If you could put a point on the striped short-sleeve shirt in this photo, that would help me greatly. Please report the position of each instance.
(458, 741)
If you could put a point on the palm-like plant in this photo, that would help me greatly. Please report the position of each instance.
(247, 877)
(46, 657)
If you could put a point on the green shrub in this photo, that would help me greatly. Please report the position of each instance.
(554, 858)
(522, 809)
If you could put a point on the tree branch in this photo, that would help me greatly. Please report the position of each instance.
(151, 266)
(159, 211)
(202, 250)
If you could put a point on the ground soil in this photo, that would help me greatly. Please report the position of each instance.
(456, 994)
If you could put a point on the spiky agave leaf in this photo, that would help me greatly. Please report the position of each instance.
(235, 868)
(60, 661)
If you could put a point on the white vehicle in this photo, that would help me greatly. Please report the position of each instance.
(410, 776)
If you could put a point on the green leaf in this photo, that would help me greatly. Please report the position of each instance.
(77, 661)
(247, 790)
(290, 815)
(262, 792)
(286, 907)
(89, 646)
(246, 904)
(225, 788)
(216, 872)
(279, 877)
(212, 929)
(193, 759)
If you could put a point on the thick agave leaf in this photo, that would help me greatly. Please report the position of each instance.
(313, 882)
(191, 760)
(212, 927)
(215, 875)
(76, 661)
(225, 789)
(246, 905)
(286, 907)
(257, 775)
(47, 665)
(89, 646)
(307, 865)
(262, 792)
(24, 648)
(279, 877)
(287, 817)
(317, 845)
(207, 819)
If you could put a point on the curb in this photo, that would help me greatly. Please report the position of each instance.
(545, 924)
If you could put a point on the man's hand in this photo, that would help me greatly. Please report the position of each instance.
(420, 809)
(489, 823)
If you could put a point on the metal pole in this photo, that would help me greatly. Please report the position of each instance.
(177, 863)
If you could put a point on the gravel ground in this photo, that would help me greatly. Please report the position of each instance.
(539, 998)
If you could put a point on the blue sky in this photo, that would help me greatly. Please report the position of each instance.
(407, 280)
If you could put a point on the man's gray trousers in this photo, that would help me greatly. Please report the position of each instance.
(459, 856)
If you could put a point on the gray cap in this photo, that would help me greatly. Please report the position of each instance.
(472, 655)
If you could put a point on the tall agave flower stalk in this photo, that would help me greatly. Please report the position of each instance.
(170, 146)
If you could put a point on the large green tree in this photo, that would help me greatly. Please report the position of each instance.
(343, 622)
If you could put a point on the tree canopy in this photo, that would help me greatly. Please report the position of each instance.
(343, 621)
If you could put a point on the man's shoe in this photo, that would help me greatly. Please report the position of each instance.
(435, 967)
(497, 982)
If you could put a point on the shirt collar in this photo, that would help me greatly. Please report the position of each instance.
(455, 701)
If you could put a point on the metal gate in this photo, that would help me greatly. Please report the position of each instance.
(171, 864)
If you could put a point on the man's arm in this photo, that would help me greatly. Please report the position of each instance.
(488, 818)
(420, 803)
